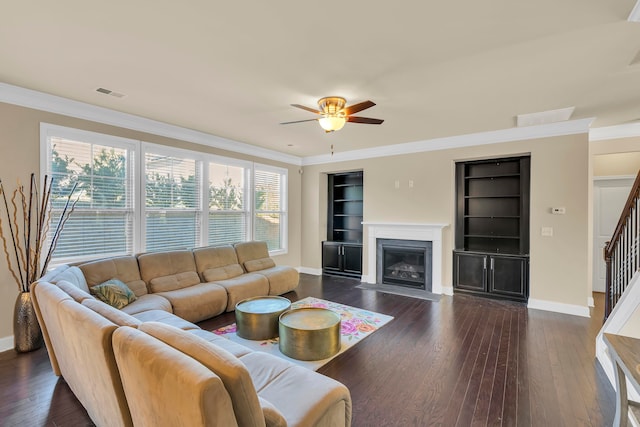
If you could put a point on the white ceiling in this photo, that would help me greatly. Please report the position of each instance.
(232, 68)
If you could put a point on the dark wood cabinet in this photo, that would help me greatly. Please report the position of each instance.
(504, 276)
(343, 259)
(342, 252)
(492, 227)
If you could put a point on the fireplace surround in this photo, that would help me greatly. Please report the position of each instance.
(427, 232)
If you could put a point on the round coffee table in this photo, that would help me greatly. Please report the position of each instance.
(257, 318)
(309, 333)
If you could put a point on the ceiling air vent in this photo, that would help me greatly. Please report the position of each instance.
(110, 92)
(544, 117)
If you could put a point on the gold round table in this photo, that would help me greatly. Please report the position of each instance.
(309, 333)
(257, 318)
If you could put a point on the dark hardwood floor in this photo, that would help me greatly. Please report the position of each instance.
(463, 361)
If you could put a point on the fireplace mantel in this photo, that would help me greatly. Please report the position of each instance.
(405, 231)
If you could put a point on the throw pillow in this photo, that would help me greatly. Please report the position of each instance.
(114, 292)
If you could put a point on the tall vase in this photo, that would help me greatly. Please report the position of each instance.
(26, 330)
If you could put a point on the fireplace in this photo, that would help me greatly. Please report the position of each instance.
(426, 233)
(404, 263)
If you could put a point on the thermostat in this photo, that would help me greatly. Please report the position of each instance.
(558, 211)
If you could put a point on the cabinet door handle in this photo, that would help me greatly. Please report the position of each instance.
(484, 264)
(492, 260)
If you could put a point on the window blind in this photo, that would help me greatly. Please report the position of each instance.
(269, 188)
(228, 214)
(172, 202)
(102, 222)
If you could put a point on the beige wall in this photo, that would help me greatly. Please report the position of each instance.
(617, 164)
(559, 178)
(20, 148)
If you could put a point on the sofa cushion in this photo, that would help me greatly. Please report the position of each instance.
(74, 276)
(113, 292)
(114, 315)
(217, 263)
(247, 251)
(148, 302)
(232, 347)
(167, 387)
(233, 373)
(74, 291)
(168, 271)
(282, 278)
(242, 287)
(123, 268)
(197, 302)
(304, 397)
(166, 318)
(259, 264)
(174, 281)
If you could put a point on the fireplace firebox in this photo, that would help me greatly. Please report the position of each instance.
(404, 263)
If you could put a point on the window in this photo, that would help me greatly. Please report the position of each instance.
(172, 202)
(229, 216)
(270, 206)
(102, 222)
(141, 197)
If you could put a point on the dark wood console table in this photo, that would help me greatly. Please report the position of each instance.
(625, 354)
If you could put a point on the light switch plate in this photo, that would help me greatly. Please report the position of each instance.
(547, 231)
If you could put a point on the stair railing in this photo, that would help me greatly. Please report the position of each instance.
(621, 254)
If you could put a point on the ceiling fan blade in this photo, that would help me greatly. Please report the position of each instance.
(358, 107)
(300, 121)
(306, 108)
(365, 120)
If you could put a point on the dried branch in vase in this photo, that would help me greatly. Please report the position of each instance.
(28, 220)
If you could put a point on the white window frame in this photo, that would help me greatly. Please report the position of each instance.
(284, 205)
(247, 191)
(148, 147)
(136, 170)
(48, 131)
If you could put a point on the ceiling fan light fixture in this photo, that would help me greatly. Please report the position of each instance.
(332, 123)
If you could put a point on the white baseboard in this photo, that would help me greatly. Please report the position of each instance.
(591, 302)
(558, 307)
(6, 343)
(308, 270)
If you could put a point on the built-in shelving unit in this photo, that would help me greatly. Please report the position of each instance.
(492, 227)
(342, 252)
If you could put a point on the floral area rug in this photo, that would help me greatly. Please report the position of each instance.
(355, 325)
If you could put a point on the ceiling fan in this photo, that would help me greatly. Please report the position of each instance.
(334, 114)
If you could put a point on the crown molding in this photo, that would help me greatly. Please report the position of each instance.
(55, 104)
(482, 138)
(627, 130)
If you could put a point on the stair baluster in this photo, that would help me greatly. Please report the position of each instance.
(621, 253)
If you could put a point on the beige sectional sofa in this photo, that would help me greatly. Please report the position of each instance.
(148, 364)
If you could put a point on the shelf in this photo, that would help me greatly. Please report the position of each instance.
(348, 200)
(507, 196)
(494, 216)
(351, 230)
(510, 175)
(490, 236)
(347, 185)
(346, 215)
